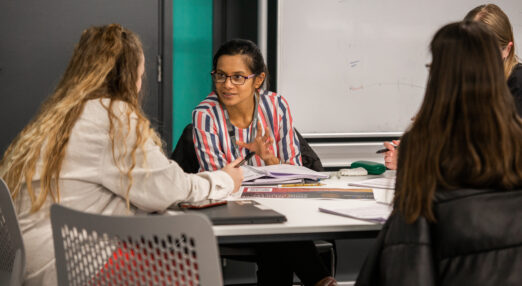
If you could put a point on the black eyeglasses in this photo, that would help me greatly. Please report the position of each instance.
(235, 79)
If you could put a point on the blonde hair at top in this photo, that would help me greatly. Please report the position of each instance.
(498, 22)
(104, 65)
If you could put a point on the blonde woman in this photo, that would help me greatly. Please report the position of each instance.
(91, 148)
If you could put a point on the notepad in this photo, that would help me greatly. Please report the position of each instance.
(378, 183)
(376, 212)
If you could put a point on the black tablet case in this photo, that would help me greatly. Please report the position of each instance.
(240, 212)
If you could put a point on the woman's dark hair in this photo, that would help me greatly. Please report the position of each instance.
(254, 58)
(467, 133)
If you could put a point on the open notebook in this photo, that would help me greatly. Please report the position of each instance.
(375, 212)
(379, 183)
(278, 174)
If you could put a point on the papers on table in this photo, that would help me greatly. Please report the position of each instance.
(291, 192)
(375, 212)
(379, 183)
(383, 188)
(278, 174)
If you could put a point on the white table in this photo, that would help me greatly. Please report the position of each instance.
(305, 221)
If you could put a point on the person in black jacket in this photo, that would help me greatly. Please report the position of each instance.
(498, 23)
(457, 216)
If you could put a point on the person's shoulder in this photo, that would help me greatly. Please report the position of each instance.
(118, 107)
(274, 98)
(209, 107)
(209, 102)
(271, 95)
(515, 79)
(98, 109)
(97, 104)
(398, 231)
(518, 69)
(465, 195)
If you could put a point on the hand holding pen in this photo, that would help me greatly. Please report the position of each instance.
(389, 147)
(391, 154)
(235, 173)
(247, 157)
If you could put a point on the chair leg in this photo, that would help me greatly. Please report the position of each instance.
(326, 250)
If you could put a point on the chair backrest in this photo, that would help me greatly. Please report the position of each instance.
(93, 249)
(185, 155)
(308, 155)
(12, 252)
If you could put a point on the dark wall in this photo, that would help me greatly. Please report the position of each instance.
(38, 38)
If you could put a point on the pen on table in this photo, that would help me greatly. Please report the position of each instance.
(247, 157)
(301, 185)
(385, 150)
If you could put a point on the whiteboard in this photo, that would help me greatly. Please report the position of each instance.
(357, 67)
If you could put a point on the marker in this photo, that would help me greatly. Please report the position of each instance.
(247, 157)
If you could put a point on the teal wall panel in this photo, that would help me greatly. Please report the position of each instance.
(192, 59)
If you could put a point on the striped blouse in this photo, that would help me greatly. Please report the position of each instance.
(214, 147)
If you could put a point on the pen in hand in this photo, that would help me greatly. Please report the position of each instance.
(247, 157)
(385, 150)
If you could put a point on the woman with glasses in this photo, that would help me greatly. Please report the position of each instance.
(497, 22)
(239, 117)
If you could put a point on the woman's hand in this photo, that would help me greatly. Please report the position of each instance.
(390, 157)
(235, 173)
(261, 145)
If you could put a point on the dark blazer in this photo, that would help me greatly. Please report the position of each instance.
(515, 86)
(477, 240)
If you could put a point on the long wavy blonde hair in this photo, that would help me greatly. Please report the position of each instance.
(104, 65)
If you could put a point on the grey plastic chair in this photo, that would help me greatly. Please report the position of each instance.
(12, 252)
(93, 249)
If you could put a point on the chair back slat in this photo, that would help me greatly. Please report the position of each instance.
(12, 252)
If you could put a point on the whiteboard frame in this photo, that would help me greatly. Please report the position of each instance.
(505, 5)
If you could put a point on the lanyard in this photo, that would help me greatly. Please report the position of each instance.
(230, 127)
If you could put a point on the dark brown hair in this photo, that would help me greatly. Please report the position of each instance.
(254, 57)
(467, 133)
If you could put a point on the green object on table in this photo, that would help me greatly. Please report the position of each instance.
(373, 168)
